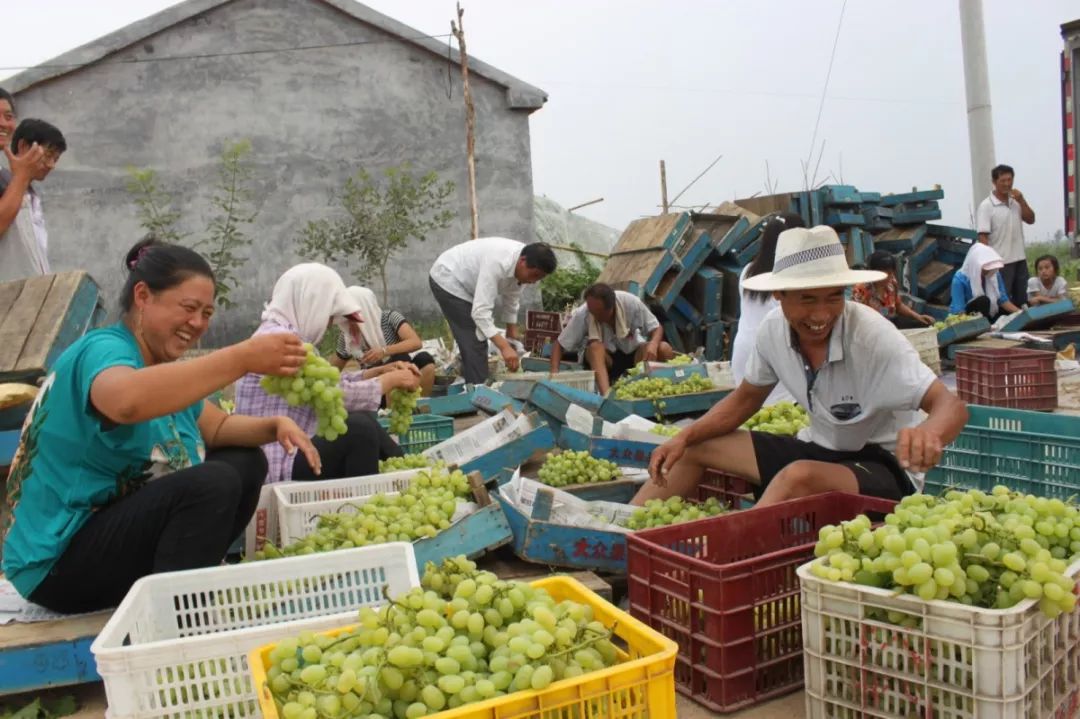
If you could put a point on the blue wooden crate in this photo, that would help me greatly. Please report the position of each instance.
(540, 364)
(707, 287)
(485, 529)
(969, 329)
(746, 255)
(947, 232)
(740, 233)
(681, 322)
(623, 452)
(842, 195)
(671, 334)
(557, 545)
(900, 239)
(452, 405)
(555, 399)
(859, 245)
(695, 403)
(714, 341)
(914, 196)
(688, 312)
(49, 654)
(933, 278)
(40, 317)
(493, 464)
(925, 252)
(1035, 315)
(878, 219)
(492, 401)
(913, 215)
(842, 218)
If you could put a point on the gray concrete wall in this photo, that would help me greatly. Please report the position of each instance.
(314, 117)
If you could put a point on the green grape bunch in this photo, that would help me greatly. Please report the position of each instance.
(408, 461)
(955, 320)
(425, 508)
(315, 385)
(461, 637)
(563, 469)
(673, 510)
(656, 387)
(402, 403)
(665, 430)
(783, 418)
(985, 550)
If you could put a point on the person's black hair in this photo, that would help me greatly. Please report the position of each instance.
(32, 130)
(539, 255)
(161, 266)
(766, 255)
(1001, 170)
(603, 292)
(881, 261)
(1053, 263)
(5, 95)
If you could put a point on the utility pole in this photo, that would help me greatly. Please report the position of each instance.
(663, 187)
(458, 29)
(977, 85)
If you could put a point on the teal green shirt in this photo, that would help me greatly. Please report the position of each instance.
(71, 461)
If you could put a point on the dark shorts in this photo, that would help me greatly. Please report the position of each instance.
(621, 363)
(876, 469)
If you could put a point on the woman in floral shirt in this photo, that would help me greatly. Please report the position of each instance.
(884, 296)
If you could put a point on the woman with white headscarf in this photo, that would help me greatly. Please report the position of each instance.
(978, 286)
(384, 337)
(305, 300)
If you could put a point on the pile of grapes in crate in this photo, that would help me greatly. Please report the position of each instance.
(954, 320)
(421, 511)
(314, 385)
(986, 550)
(657, 387)
(674, 510)
(563, 469)
(462, 637)
(783, 418)
(407, 461)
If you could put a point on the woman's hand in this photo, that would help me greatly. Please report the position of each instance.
(406, 379)
(374, 356)
(292, 438)
(926, 320)
(275, 353)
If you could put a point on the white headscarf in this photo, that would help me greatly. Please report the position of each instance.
(307, 297)
(977, 259)
(371, 329)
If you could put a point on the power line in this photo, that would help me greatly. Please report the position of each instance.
(828, 74)
(212, 55)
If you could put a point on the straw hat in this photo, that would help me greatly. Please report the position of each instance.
(809, 258)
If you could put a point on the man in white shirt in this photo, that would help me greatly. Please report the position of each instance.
(999, 221)
(851, 369)
(616, 331)
(36, 147)
(469, 279)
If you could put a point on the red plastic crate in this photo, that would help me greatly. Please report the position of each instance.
(535, 340)
(725, 590)
(543, 321)
(1014, 378)
(733, 491)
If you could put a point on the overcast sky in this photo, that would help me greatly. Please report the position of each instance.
(631, 82)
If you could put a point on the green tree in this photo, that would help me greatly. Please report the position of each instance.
(224, 241)
(379, 220)
(563, 287)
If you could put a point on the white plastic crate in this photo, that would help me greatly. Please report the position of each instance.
(584, 380)
(959, 662)
(177, 646)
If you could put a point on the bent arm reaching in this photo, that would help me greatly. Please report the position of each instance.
(919, 448)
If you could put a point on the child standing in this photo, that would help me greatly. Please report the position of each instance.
(1047, 286)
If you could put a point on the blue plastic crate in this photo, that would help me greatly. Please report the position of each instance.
(427, 430)
(1026, 451)
(966, 330)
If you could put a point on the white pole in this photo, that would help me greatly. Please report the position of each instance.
(977, 84)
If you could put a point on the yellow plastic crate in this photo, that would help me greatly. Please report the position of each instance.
(642, 686)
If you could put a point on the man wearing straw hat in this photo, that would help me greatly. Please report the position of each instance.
(847, 366)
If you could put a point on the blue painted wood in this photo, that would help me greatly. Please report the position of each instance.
(937, 285)
(674, 372)
(36, 667)
(485, 529)
(624, 452)
(493, 401)
(711, 282)
(836, 218)
(557, 545)
(913, 216)
(618, 490)
(690, 263)
(512, 454)
(945, 231)
(748, 253)
(969, 329)
(664, 264)
(452, 405)
(9, 442)
(926, 251)
(730, 240)
(912, 197)
(681, 322)
(78, 321)
(684, 308)
(842, 195)
(573, 440)
(750, 235)
(870, 196)
(539, 364)
(1042, 312)
(666, 406)
(635, 289)
(938, 312)
(714, 341)
(671, 334)
(555, 399)
(900, 239)
(916, 303)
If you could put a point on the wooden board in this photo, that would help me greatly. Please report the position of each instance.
(900, 239)
(934, 277)
(40, 317)
(46, 654)
(767, 204)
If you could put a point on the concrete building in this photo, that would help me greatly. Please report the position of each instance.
(321, 88)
